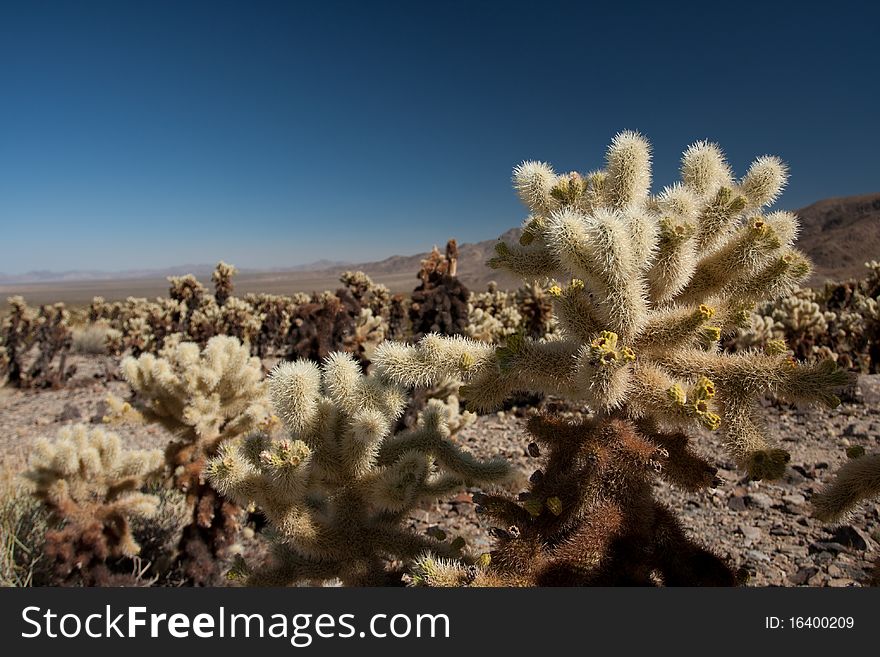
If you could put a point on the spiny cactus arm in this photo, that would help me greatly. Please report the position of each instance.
(718, 219)
(433, 359)
(674, 327)
(675, 261)
(704, 169)
(534, 261)
(533, 182)
(523, 365)
(628, 168)
(576, 311)
(597, 250)
(289, 567)
(432, 437)
(502, 510)
(131, 505)
(764, 181)
(680, 465)
(857, 480)
(408, 545)
(783, 275)
(752, 374)
(741, 257)
(655, 394)
(747, 438)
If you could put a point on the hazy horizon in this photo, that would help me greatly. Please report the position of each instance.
(271, 135)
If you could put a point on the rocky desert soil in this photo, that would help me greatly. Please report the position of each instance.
(764, 527)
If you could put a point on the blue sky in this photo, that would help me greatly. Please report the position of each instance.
(148, 134)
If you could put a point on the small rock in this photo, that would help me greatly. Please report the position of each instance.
(823, 547)
(758, 501)
(793, 476)
(736, 503)
(803, 575)
(851, 536)
(841, 582)
(100, 411)
(781, 531)
(834, 571)
(757, 555)
(751, 533)
(856, 430)
(68, 413)
(795, 499)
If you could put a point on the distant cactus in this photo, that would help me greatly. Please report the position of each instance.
(92, 486)
(643, 289)
(338, 489)
(323, 326)
(440, 302)
(35, 345)
(222, 279)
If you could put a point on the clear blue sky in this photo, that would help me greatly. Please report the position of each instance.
(147, 134)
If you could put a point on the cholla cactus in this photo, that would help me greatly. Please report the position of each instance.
(536, 308)
(369, 332)
(222, 279)
(643, 288)
(322, 326)
(92, 486)
(338, 490)
(204, 398)
(275, 314)
(492, 315)
(440, 302)
(839, 321)
(368, 294)
(35, 345)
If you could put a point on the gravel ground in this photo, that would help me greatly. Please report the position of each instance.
(764, 527)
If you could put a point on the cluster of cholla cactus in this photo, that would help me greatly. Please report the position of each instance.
(338, 489)
(356, 317)
(495, 314)
(840, 321)
(92, 487)
(34, 345)
(644, 287)
(440, 302)
(492, 315)
(203, 397)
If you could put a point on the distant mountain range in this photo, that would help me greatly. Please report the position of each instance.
(200, 271)
(839, 235)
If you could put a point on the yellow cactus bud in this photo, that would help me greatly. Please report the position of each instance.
(776, 347)
(628, 355)
(577, 284)
(677, 395)
(555, 291)
(467, 361)
(555, 505)
(484, 560)
(705, 388)
(710, 420)
(533, 506)
(706, 311)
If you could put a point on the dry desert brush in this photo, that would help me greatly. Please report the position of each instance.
(644, 287)
(339, 488)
